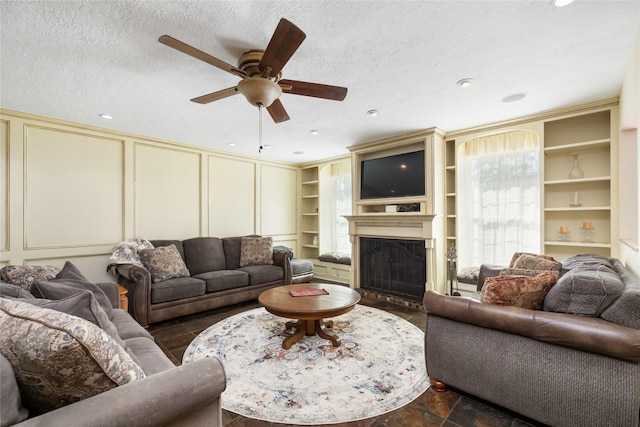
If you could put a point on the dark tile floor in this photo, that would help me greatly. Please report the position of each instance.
(445, 409)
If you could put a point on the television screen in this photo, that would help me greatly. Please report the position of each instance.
(401, 175)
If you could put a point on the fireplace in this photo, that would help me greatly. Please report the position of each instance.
(393, 266)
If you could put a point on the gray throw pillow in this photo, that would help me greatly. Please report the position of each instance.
(586, 290)
(7, 290)
(69, 282)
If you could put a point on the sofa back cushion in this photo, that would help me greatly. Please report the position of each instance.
(59, 359)
(624, 311)
(586, 290)
(232, 251)
(176, 243)
(204, 254)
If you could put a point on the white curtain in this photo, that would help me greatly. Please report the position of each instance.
(498, 198)
(335, 201)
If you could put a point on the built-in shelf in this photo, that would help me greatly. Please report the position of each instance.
(578, 180)
(579, 208)
(577, 243)
(602, 144)
(310, 221)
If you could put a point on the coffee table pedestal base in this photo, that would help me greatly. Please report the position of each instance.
(309, 328)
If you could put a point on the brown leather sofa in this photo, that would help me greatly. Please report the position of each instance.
(557, 368)
(216, 280)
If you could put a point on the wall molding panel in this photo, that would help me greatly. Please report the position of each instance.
(71, 191)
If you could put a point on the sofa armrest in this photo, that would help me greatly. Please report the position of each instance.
(282, 258)
(137, 281)
(185, 395)
(488, 270)
(590, 334)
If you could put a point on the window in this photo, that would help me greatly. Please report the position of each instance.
(335, 201)
(499, 197)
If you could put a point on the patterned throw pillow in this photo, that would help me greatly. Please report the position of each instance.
(517, 255)
(59, 359)
(520, 291)
(163, 262)
(536, 262)
(256, 251)
(26, 276)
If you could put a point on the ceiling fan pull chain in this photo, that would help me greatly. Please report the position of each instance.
(260, 128)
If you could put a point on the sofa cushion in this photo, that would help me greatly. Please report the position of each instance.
(231, 247)
(301, 266)
(520, 272)
(8, 290)
(26, 276)
(624, 311)
(263, 273)
(256, 251)
(163, 262)
(150, 357)
(127, 327)
(578, 260)
(177, 243)
(11, 409)
(59, 359)
(520, 291)
(587, 290)
(224, 279)
(69, 281)
(177, 288)
(204, 254)
(536, 262)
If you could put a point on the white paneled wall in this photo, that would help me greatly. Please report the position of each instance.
(71, 192)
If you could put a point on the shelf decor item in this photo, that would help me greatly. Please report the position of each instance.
(576, 172)
(587, 228)
(564, 233)
(576, 203)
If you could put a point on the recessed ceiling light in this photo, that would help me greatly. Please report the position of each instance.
(464, 82)
(266, 146)
(106, 116)
(515, 97)
(373, 113)
(314, 131)
(298, 152)
(561, 3)
(231, 144)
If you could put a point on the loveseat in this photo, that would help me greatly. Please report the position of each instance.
(202, 273)
(75, 359)
(578, 365)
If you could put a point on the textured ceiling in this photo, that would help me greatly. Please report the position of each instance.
(75, 60)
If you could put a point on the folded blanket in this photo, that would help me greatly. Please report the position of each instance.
(127, 253)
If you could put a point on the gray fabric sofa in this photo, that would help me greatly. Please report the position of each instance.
(558, 368)
(216, 279)
(187, 395)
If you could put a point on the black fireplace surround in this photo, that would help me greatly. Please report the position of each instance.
(392, 266)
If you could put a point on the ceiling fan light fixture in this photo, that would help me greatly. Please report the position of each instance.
(260, 92)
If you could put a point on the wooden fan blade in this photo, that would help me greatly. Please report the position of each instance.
(198, 54)
(214, 96)
(284, 42)
(277, 112)
(316, 90)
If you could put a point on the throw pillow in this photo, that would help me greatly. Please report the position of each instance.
(587, 290)
(163, 262)
(520, 272)
(520, 291)
(517, 255)
(26, 276)
(59, 359)
(256, 251)
(8, 290)
(468, 275)
(83, 304)
(69, 281)
(535, 262)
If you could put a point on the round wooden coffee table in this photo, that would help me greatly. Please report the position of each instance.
(309, 310)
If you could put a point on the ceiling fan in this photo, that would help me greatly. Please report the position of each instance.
(260, 71)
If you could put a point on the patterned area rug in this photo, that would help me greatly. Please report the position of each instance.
(378, 367)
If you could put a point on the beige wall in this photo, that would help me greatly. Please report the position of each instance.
(72, 192)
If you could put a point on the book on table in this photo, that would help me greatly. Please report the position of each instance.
(308, 292)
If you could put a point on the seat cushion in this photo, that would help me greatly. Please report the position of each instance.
(204, 254)
(301, 266)
(224, 279)
(127, 327)
(178, 288)
(263, 273)
(150, 357)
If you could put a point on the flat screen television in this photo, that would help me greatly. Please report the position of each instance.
(401, 175)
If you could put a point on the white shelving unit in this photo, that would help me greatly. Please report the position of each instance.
(310, 223)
